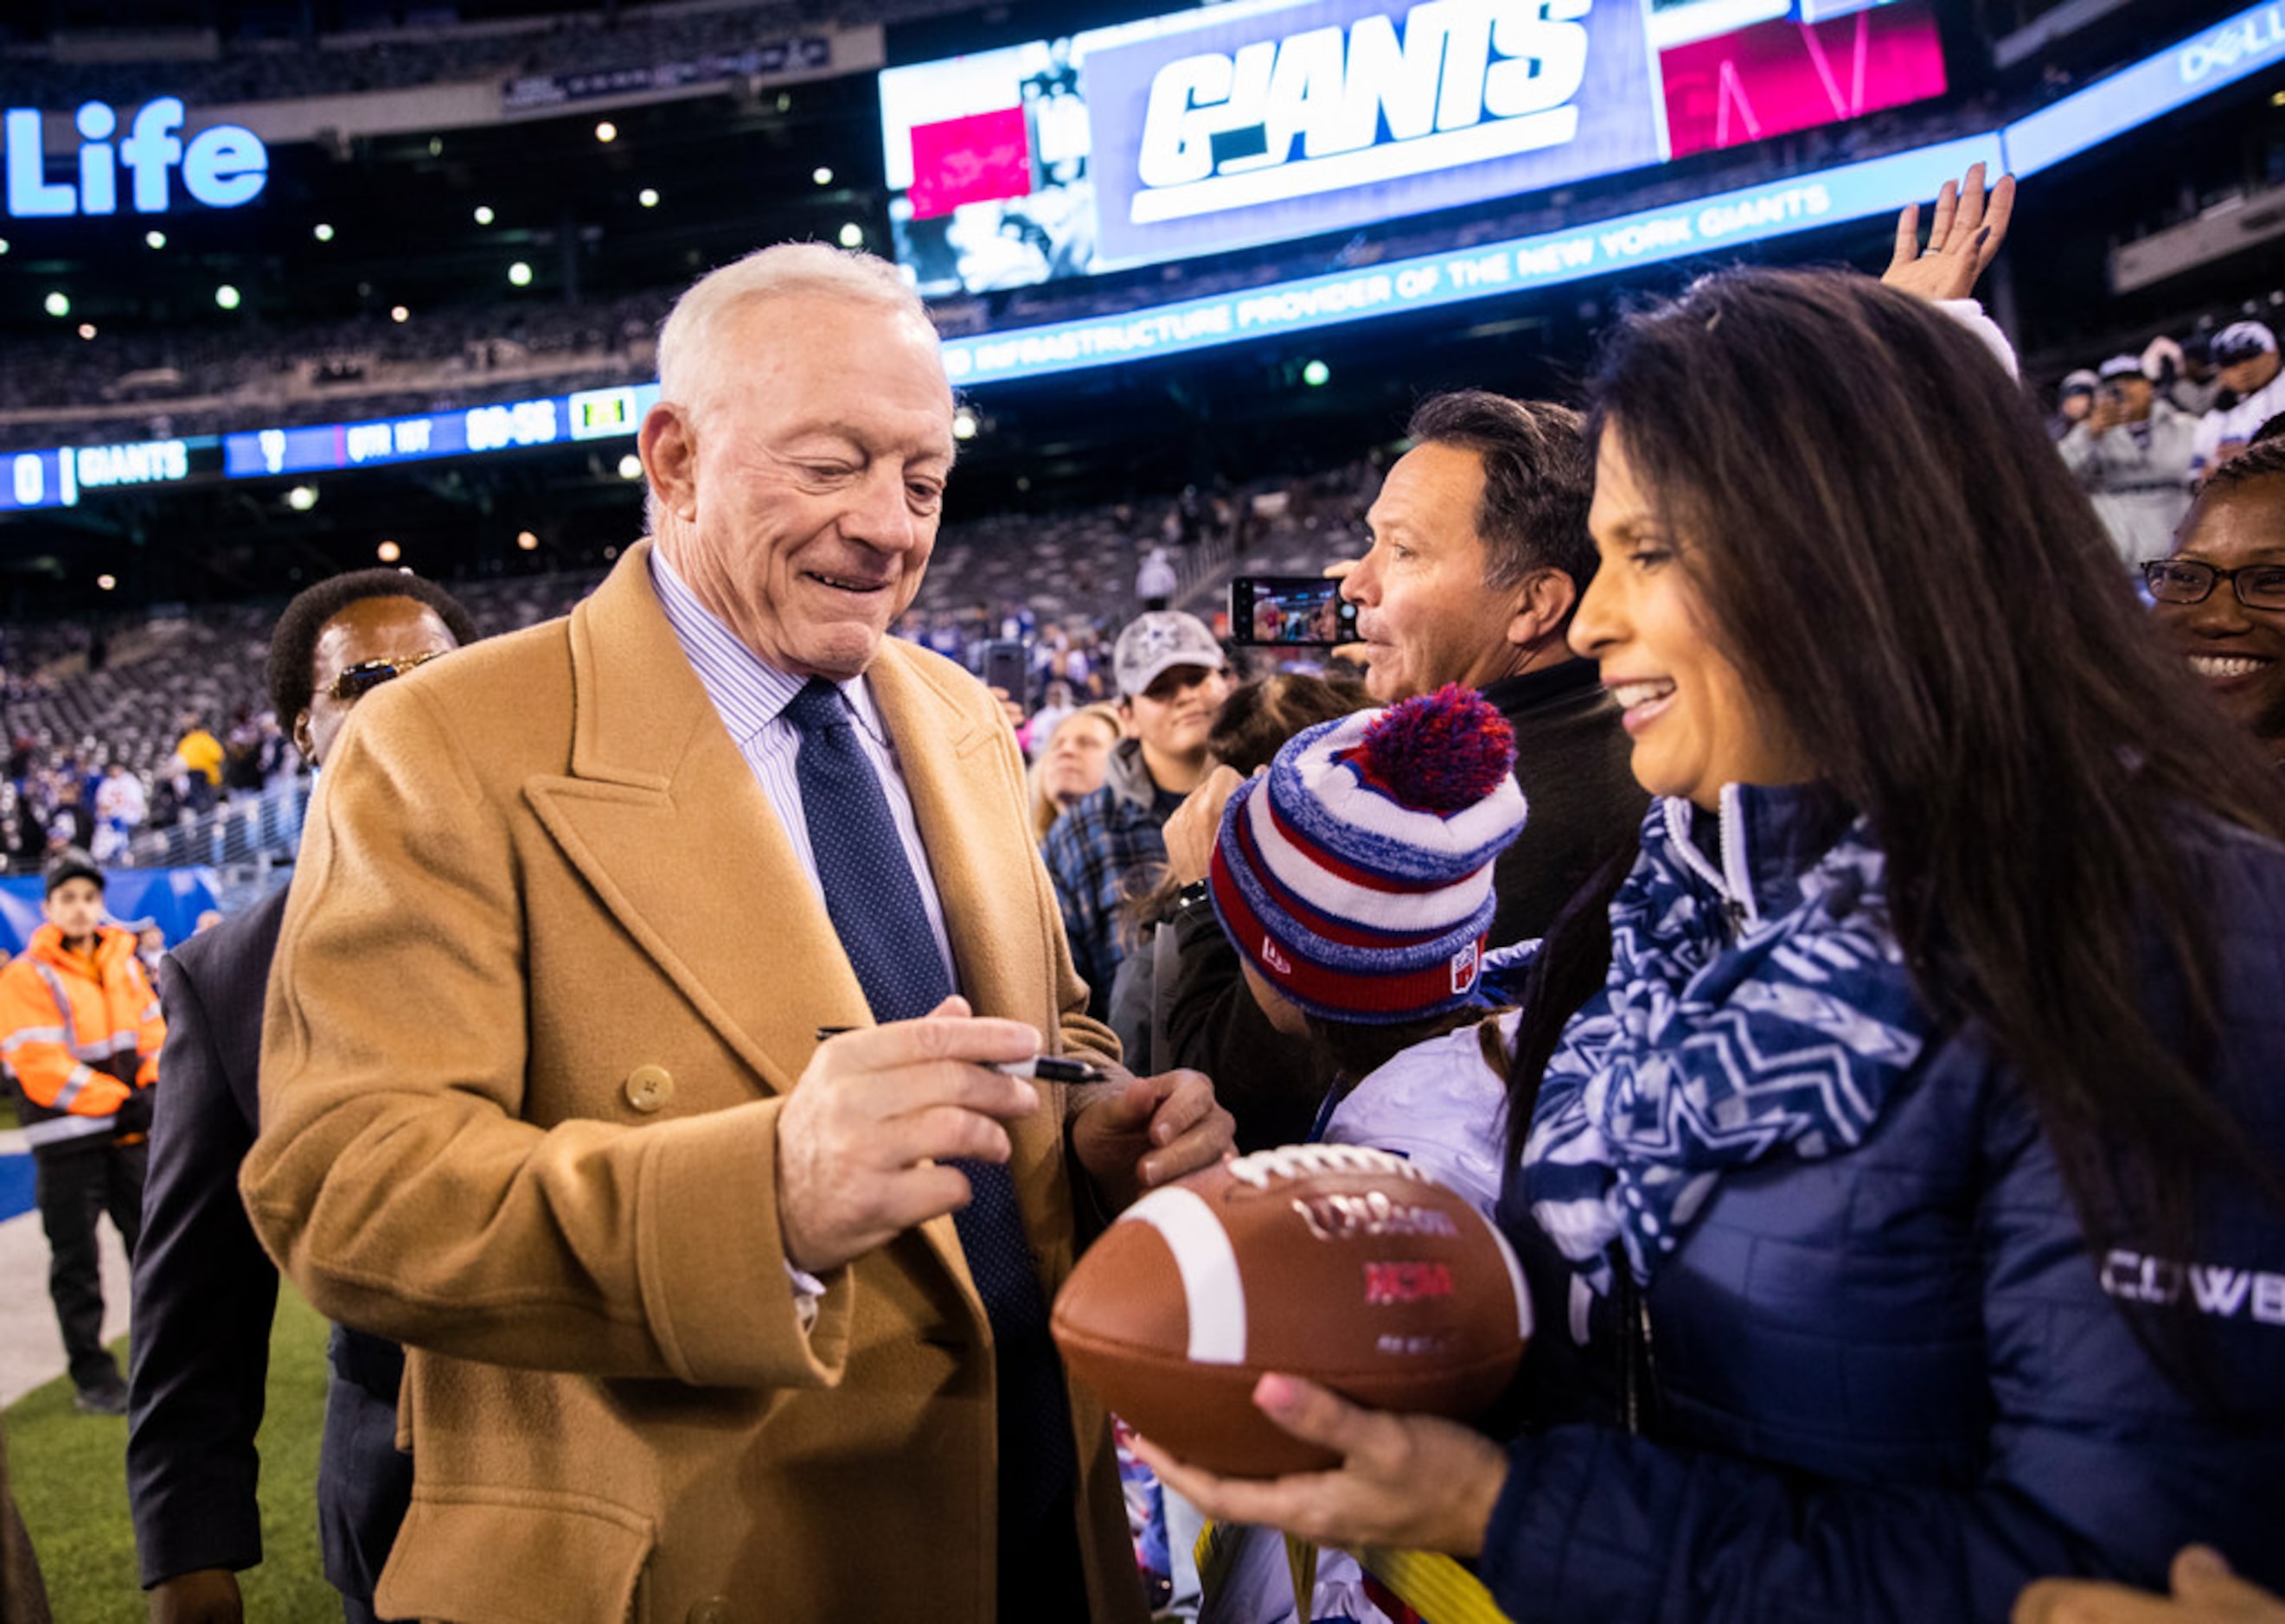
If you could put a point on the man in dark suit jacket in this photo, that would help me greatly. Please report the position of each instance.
(204, 1291)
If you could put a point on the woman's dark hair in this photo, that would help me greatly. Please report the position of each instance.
(1885, 545)
(294, 644)
(1251, 725)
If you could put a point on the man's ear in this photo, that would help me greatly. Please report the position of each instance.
(1543, 605)
(669, 447)
(303, 740)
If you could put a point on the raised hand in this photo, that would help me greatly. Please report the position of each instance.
(1970, 226)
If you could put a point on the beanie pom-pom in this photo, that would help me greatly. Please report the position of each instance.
(1440, 753)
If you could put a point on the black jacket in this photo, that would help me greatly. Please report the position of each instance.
(204, 1293)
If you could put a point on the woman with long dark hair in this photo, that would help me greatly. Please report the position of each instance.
(1897, 1140)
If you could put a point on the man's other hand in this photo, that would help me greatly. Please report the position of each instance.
(1197, 824)
(1133, 1136)
(209, 1595)
(877, 1111)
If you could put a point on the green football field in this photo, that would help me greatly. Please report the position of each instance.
(69, 1475)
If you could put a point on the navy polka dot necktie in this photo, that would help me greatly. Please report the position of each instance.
(875, 902)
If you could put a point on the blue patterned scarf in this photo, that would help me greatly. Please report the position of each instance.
(1722, 1037)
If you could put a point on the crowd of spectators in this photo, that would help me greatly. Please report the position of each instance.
(114, 733)
(284, 66)
(2141, 431)
(1693, 829)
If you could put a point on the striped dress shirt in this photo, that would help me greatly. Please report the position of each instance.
(750, 695)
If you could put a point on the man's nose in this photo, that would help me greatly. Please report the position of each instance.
(881, 515)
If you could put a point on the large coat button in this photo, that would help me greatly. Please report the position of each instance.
(649, 1088)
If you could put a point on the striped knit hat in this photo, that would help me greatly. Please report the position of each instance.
(1355, 875)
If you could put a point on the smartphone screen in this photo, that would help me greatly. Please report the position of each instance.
(1291, 611)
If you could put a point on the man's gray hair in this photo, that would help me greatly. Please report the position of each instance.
(689, 342)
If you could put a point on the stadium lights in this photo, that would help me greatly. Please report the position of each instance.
(56, 304)
(399, 314)
(648, 196)
(105, 583)
(87, 329)
(823, 175)
(322, 232)
(606, 132)
(4, 245)
(484, 216)
(1315, 373)
(301, 498)
(527, 541)
(226, 296)
(154, 239)
(388, 551)
(519, 275)
(852, 235)
(435, 146)
(964, 424)
(630, 466)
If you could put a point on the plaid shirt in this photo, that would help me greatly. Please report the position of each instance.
(1099, 853)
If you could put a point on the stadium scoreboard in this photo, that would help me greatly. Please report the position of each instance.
(60, 477)
(326, 448)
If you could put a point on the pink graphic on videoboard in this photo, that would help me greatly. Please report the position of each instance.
(1784, 75)
(981, 158)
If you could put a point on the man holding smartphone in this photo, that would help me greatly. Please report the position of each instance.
(2132, 454)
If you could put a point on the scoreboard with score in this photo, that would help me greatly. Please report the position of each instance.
(320, 448)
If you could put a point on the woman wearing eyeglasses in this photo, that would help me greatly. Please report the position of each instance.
(2221, 596)
(1896, 1148)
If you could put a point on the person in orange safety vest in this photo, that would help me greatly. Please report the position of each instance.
(81, 1033)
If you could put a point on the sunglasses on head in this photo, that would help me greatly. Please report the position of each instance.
(367, 675)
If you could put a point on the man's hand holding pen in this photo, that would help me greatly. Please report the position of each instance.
(862, 1144)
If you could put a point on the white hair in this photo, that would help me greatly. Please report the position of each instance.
(690, 350)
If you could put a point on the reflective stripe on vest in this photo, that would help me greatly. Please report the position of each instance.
(103, 1048)
(73, 1086)
(34, 1034)
(55, 1129)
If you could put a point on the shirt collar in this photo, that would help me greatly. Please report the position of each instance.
(747, 690)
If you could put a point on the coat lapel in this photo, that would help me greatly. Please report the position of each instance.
(661, 816)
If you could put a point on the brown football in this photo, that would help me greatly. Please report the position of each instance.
(1344, 1265)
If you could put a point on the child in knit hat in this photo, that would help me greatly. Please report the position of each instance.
(1354, 880)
